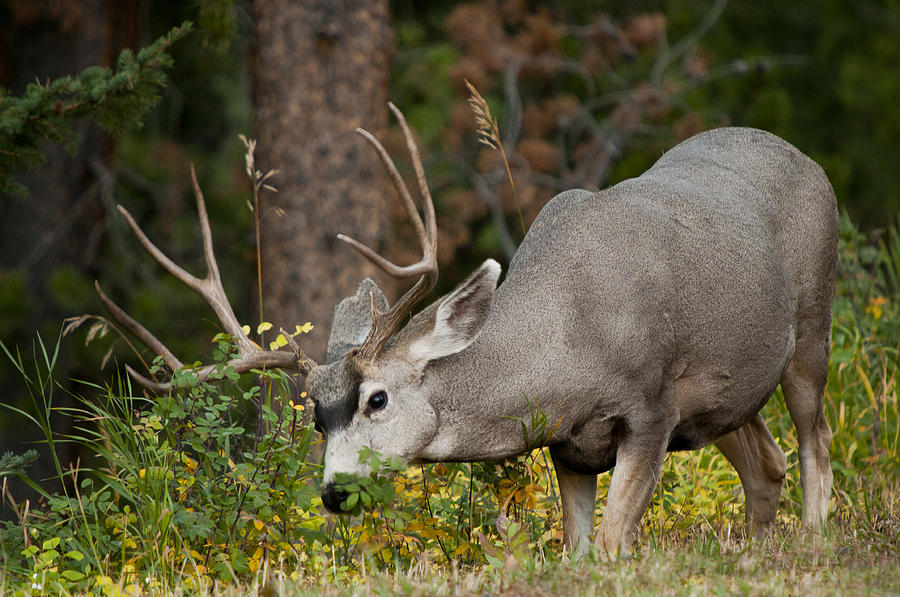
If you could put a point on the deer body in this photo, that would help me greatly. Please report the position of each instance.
(657, 315)
(683, 282)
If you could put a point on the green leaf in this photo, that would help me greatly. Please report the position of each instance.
(350, 502)
(72, 575)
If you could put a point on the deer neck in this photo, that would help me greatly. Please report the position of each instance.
(482, 401)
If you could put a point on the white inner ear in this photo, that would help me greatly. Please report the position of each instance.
(467, 308)
(442, 341)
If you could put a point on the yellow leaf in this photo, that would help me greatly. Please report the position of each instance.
(875, 306)
(103, 581)
(259, 524)
(263, 327)
(303, 394)
(278, 342)
(303, 329)
(245, 329)
(868, 386)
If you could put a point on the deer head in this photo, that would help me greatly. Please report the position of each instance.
(365, 394)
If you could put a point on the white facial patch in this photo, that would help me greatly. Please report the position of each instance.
(342, 456)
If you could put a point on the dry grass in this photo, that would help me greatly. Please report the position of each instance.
(854, 557)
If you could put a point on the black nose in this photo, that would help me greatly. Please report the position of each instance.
(332, 498)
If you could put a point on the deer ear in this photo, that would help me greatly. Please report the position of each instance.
(459, 316)
(352, 319)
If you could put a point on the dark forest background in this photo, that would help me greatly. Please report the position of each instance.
(586, 94)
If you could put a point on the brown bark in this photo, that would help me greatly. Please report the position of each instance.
(320, 69)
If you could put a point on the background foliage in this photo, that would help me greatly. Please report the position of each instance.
(213, 485)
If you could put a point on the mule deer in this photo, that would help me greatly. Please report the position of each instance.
(657, 315)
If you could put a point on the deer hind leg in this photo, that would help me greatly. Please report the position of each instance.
(761, 465)
(578, 494)
(803, 383)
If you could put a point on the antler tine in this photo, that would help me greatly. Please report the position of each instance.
(139, 331)
(250, 356)
(212, 266)
(428, 207)
(401, 187)
(159, 388)
(261, 359)
(186, 278)
(210, 288)
(417, 269)
(385, 325)
(304, 363)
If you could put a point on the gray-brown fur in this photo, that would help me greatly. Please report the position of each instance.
(658, 314)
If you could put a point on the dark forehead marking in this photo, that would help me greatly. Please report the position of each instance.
(334, 413)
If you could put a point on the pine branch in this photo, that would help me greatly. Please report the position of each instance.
(12, 465)
(47, 111)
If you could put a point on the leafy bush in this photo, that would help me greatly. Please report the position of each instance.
(207, 482)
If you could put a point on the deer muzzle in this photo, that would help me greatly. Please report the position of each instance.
(332, 498)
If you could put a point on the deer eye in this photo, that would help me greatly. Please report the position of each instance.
(378, 400)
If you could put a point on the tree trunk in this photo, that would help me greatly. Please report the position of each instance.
(320, 69)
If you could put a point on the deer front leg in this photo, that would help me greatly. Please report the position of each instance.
(578, 494)
(639, 460)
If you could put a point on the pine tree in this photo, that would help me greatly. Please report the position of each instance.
(47, 111)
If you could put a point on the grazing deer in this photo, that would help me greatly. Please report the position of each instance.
(656, 315)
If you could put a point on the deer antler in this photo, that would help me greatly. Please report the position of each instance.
(250, 355)
(386, 324)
